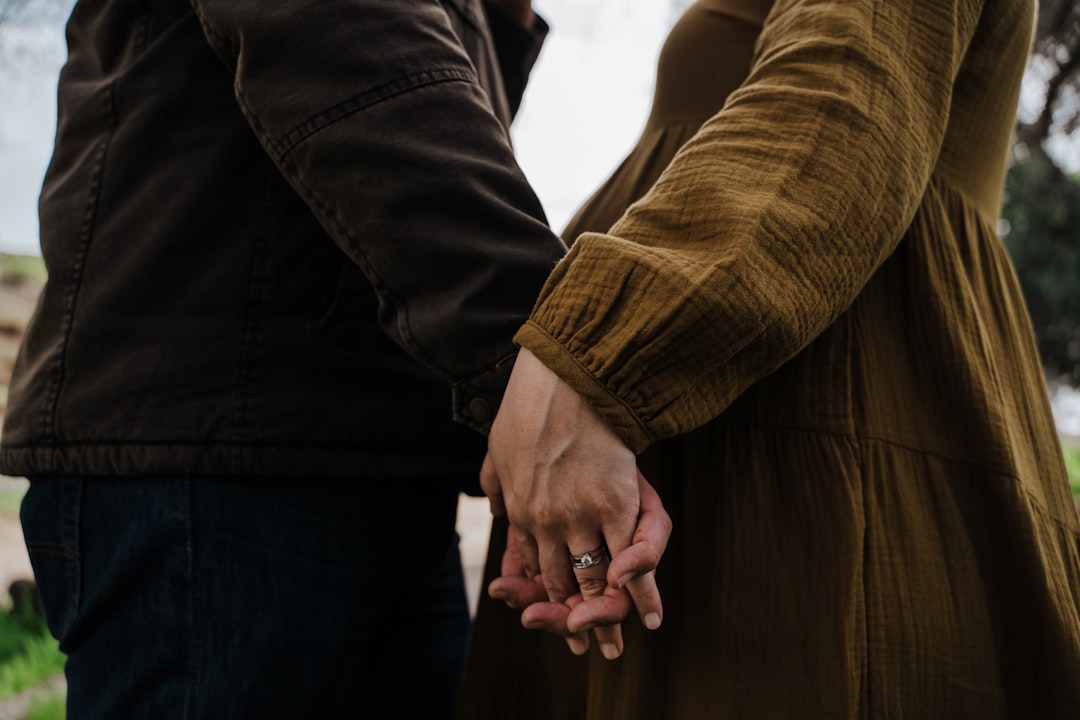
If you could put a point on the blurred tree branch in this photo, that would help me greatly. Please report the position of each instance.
(1056, 63)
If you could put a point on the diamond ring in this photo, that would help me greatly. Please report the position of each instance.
(588, 559)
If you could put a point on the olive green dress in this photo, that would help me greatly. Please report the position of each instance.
(791, 300)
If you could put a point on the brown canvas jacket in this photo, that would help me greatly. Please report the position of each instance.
(280, 237)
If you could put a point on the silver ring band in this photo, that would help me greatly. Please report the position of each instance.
(586, 560)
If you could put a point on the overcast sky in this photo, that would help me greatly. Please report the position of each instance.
(585, 105)
(30, 58)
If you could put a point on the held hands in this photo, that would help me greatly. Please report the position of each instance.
(569, 486)
(632, 569)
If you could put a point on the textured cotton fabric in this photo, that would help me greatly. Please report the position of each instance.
(810, 330)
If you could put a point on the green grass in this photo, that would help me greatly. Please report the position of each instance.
(10, 499)
(28, 653)
(52, 707)
(1072, 463)
(30, 266)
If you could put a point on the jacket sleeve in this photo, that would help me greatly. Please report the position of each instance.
(767, 224)
(372, 111)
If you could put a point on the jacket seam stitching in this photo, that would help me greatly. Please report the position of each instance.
(284, 145)
(76, 269)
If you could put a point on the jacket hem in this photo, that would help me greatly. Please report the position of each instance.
(134, 460)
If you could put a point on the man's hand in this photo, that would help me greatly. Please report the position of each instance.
(569, 486)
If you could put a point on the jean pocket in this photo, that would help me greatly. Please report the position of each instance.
(50, 517)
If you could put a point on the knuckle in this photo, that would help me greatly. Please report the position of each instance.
(653, 557)
(521, 538)
(490, 486)
(552, 518)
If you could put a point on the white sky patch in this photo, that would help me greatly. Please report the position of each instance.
(25, 147)
(588, 96)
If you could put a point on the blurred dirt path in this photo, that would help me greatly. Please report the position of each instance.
(474, 525)
(14, 562)
(17, 706)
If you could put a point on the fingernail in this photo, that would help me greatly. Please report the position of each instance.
(536, 625)
(652, 620)
(625, 579)
(610, 650)
(577, 645)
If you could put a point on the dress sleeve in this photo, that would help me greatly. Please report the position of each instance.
(372, 111)
(767, 223)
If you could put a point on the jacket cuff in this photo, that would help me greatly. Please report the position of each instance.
(476, 398)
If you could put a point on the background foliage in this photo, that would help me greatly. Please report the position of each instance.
(1041, 215)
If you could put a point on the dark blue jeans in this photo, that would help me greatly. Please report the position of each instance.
(250, 598)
